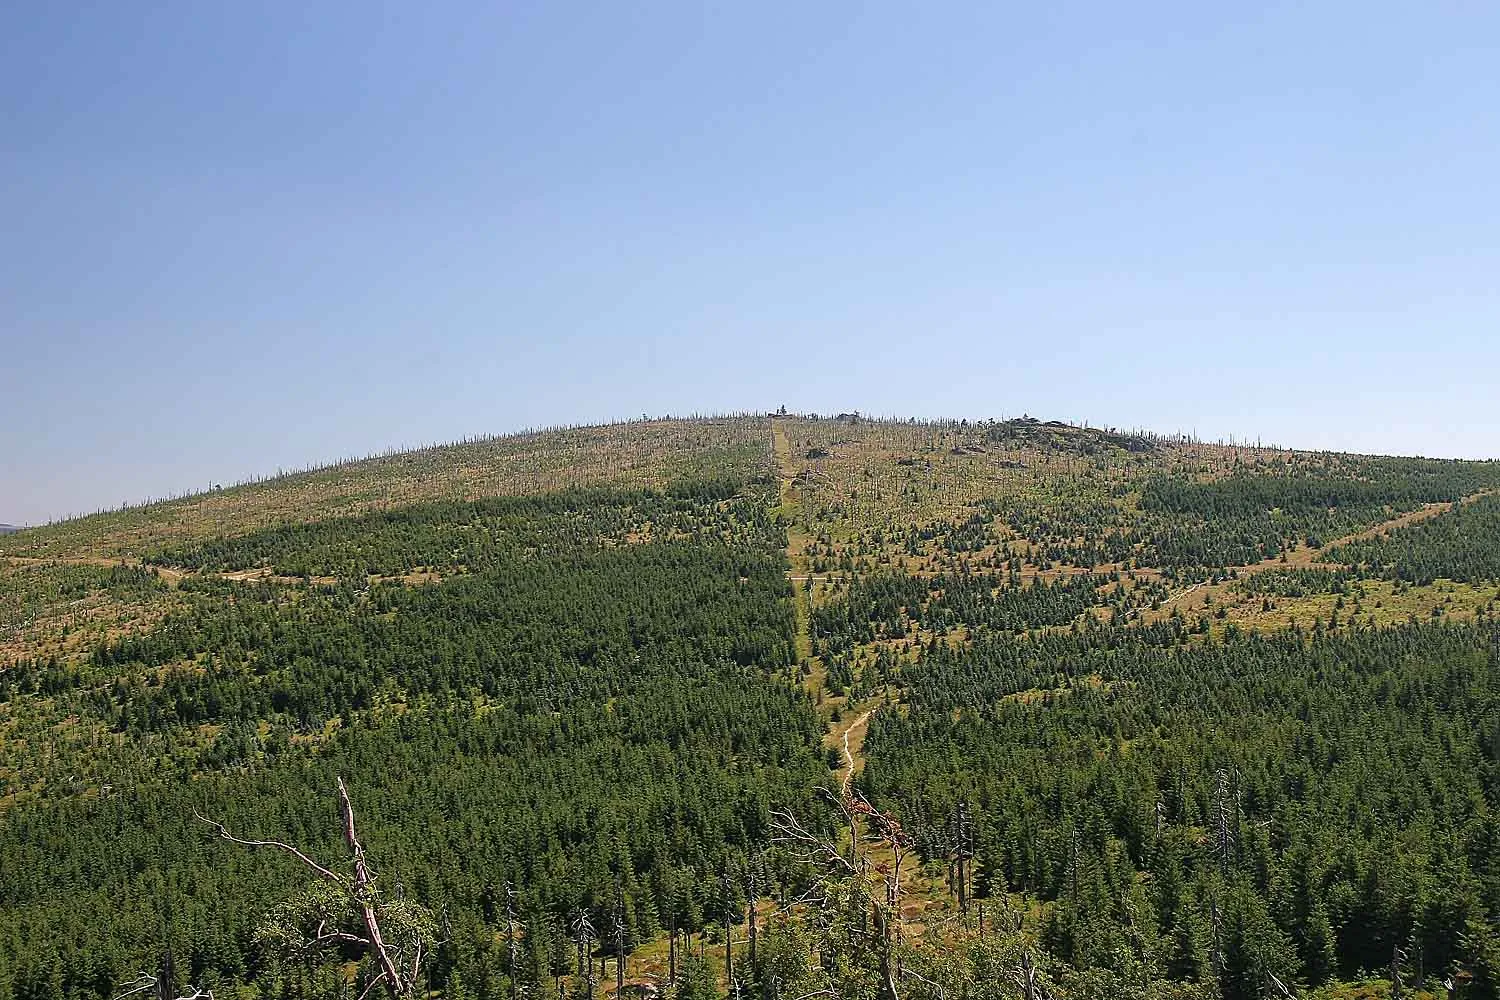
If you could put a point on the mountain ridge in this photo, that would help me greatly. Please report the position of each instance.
(562, 456)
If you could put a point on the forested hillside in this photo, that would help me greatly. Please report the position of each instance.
(1003, 710)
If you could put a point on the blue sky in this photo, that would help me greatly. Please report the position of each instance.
(239, 237)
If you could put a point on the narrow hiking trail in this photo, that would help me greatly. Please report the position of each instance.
(799, 575)
(846, 730)
(851, 739)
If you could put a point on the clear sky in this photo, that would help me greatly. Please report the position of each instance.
(237, 237)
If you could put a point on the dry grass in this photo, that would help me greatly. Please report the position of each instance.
(858, 482)
(1369, 603)
(632, 455)
(35, 622)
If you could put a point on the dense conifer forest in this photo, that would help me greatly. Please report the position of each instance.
(789, 707)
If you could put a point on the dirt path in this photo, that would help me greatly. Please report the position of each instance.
(797, 573)
(848, 733)
(849, 736)
(1422, 513)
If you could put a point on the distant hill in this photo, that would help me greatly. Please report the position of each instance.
(1192, 718)
(8, 529)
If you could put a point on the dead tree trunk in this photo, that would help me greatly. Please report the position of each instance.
(619, 942)
(728, 936)
(1028, 976)
(166, 979)
(364, 894)
(883, 937)
(672, 949)
(751, 918)
(513, 945)
(754, 893)
(363, 900)
(583, 939)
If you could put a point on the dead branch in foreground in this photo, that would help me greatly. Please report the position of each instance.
(353, 896)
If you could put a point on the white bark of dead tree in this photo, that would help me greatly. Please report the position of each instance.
(362, 896)
(146, 982)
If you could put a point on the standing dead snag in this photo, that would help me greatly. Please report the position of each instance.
(753, 875)
(346, 911)
(513, 943)
(619, 927)
(583, 939)
(963, 853)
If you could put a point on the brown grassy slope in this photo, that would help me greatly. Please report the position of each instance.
(639, 454)
(857, 477)
(46, 610)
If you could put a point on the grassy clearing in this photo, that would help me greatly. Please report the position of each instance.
(62, 609)
(1368, 603)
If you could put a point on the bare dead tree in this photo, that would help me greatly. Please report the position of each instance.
(1075, 862)
(752, 886)
(147, 983)
(1226, 808)
(619, 928)
(672, 941)
(1278, 989)
(1026, 977)
(1414, 947)
(728, 925)
(806, 847)
(321, 921)
(963, 853)
(1216, 956)
(513, 944)
(583, 939)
